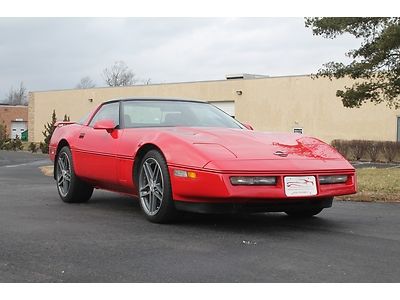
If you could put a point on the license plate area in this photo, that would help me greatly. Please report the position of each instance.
(300, 186)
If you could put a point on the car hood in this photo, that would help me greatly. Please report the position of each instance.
(252, 145)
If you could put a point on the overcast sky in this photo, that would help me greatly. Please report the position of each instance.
(55, 53)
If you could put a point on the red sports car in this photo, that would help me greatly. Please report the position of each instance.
(189, 155)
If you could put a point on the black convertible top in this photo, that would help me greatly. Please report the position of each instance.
(153, 99)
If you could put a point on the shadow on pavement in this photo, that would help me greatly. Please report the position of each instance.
(125, 205)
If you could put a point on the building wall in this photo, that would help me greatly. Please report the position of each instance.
(9, 113)
(268, 104)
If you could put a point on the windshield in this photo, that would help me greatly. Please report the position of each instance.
(166, 113)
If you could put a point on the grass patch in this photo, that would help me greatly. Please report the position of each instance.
(377, 185)
(47, 170)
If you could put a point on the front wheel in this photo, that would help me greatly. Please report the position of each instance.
(154, 188)
(70, 188)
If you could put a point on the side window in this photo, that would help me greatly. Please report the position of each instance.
(107, 111)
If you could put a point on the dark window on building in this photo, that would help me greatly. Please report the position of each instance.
(298, 130)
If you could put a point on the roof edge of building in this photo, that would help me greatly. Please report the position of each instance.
(9, 105)
(172, 83)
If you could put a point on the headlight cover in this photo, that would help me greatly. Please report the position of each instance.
(253, 180)
(331, 179)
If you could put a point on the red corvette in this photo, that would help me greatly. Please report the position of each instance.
(189, 155)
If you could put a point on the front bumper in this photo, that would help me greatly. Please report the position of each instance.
(215, 187)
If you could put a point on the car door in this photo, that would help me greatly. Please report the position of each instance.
(96, 149)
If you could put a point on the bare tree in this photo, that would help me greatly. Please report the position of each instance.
(147, 81)
(17, 96)
(119, 75)
(85, 83)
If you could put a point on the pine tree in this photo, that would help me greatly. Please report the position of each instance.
(3, 134)
(376, 62)
(48, 132)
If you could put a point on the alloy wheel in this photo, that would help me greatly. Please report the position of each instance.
(151, 186)
(63, 174)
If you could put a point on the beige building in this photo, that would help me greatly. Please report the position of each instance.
(285, 104)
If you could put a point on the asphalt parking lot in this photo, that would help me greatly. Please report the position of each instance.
(108, 239)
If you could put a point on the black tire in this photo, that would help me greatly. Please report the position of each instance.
(74, 190)
(154, 189)
(304, 213)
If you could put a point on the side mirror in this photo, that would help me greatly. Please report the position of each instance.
(248, 126)
(108, 125)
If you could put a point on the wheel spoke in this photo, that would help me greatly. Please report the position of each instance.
(67, 166)
(144, 193)
(148, 202)
(60, 165)
(156, 173)
(144, 187)
(158, 188)
(148, 172)
(63, 162)
(158, 195)
(153, 202)
(64, 183)
(67, 176)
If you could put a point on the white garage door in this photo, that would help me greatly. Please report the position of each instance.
(226, 106)
(17, 128)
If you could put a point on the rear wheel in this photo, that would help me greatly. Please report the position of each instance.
(304, 213)
(154, 188)
(70, 188)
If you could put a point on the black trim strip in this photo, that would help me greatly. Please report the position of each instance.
(274, 205)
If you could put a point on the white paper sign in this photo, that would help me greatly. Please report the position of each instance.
(297, 186)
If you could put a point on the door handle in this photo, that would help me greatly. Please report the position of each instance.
(81, 135)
